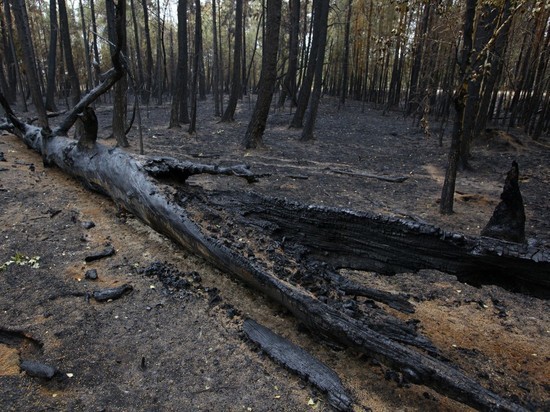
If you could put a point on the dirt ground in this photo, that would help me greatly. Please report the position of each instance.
(161, 347)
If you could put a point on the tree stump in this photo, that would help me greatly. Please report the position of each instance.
(508, 220)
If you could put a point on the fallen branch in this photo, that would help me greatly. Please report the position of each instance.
(300, 362)
(398, 179)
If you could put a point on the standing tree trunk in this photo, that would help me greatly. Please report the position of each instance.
(215, 62)
(68, 50)
(146, 94)
(196, 63)
(289, 83)
(345, 62)
(159, 84)
(220, 55)
(97, 63)
(483, 33)
(87, 56)
(9, 54)
(415, 88)
(322, 21)
(305, 87)
(448, 191)
(268, 76)
(54, 28)
(199, 47)
(121, 87)
(236, 86)
(244, 78)
(138, 50)
(496, 61)
(23, 30)
(367, 57)
(179, 112)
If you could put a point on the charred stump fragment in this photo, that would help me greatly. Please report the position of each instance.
(88, 135)
(508, 220)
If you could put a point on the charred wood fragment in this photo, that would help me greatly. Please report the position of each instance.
(107, 252)
(300, 362)
(112, 293)
(395, 301)
(173, 170)
(38, 369)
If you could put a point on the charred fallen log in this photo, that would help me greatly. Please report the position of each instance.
(133, 182)
(389, 245)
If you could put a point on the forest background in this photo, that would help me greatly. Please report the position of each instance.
(399, 87)
(470, 64)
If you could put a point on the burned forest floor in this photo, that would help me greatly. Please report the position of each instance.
(174, 342)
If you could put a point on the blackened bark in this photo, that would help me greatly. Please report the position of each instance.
(9, 53)
(68, 50)
(179, 112)
(305, 87)
(146, 94)
(289, 82)
(196, 64)
(120, 102)
(448, 191)
(413, 99)
(345, 62)
(23, 30)
(311, 117)
(54, 28)
(496, 61)
(140, 81)
(87, 56)
(236, 86)
(301, 362)
(268, 76)
(485, 28)
(215, 61)
(97, 61)
(508, 219)
(199, 49)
